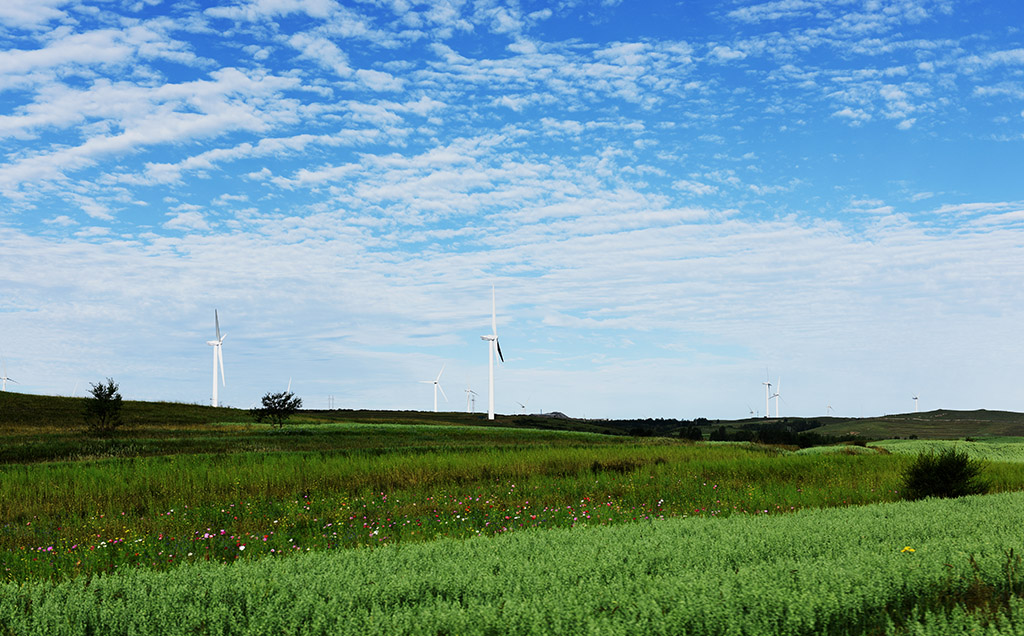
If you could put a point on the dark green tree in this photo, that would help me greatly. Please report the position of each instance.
(950, 473)
(277, 408)
(103, 409)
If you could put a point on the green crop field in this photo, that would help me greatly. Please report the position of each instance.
(997, 449)
(409, 523)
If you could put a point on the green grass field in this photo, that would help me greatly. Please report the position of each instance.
(653, 530)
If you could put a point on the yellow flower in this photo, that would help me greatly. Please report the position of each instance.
(908, 549)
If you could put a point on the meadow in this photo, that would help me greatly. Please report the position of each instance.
(390, 525)
(931, 567)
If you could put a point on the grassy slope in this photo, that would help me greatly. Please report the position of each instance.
(940, 424)
(44, 428)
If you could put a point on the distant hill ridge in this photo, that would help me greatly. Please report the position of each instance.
(21, 410)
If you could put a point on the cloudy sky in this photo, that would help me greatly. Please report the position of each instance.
(670, 201)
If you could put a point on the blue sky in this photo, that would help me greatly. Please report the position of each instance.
(670, 201)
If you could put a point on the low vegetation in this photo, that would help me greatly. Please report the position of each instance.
(191, 519)
(888, 568)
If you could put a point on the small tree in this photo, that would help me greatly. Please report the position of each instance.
(103, 409)
(951, 473)
(277, 407)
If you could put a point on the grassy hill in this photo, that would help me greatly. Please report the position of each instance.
(45, 428)
(941, 424)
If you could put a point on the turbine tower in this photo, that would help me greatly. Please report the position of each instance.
(492, 346)
(767, 394)
(915, 404)
(6, 379)
(470, 399)
(218, 358)
(437, 385)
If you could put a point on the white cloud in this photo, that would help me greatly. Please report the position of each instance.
(379, 81)
(254, 10)
(187, 220)
(322, 51)
(694, 187)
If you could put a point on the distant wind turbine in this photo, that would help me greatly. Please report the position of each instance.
(437, 385)
(492, 346)
(828, 408)
(218, 358)
(470, 400)
(778, 394)
(767, 393)
(915, 404)
(5, 378)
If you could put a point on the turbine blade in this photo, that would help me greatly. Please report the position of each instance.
(220, 363)
(216, 320)
(440, 372)
(498, 346)
(442, 391)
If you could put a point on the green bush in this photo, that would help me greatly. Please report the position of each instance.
(103, 409)
(277, 408)
(950, 473)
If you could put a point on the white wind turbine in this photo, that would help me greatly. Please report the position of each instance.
(470, 400)
(915, 403)
(5, 378)
(218, 358)
(492, 346)
(437, 385)
(778, 394)
(767, 393)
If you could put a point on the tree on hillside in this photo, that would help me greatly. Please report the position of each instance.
(103, 409)
(277, 408)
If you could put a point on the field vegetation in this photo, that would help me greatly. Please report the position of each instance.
(411, 523)
(932, 567)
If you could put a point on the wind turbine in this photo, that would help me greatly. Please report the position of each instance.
(492, 346)
(5, 378)
(915, 403)
(778, 394)
(767, 393)
(437, 385)
(828, 409)
(218, 358)
(470, 398)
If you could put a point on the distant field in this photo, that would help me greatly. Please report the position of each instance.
(42, 428)
(930, 425)
(996, 449)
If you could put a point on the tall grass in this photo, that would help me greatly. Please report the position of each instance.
(65, 520)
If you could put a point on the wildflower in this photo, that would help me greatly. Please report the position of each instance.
(908, 549)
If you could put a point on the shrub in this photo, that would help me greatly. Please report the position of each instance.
(277, 407)
(103, 409)
(950, 473)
